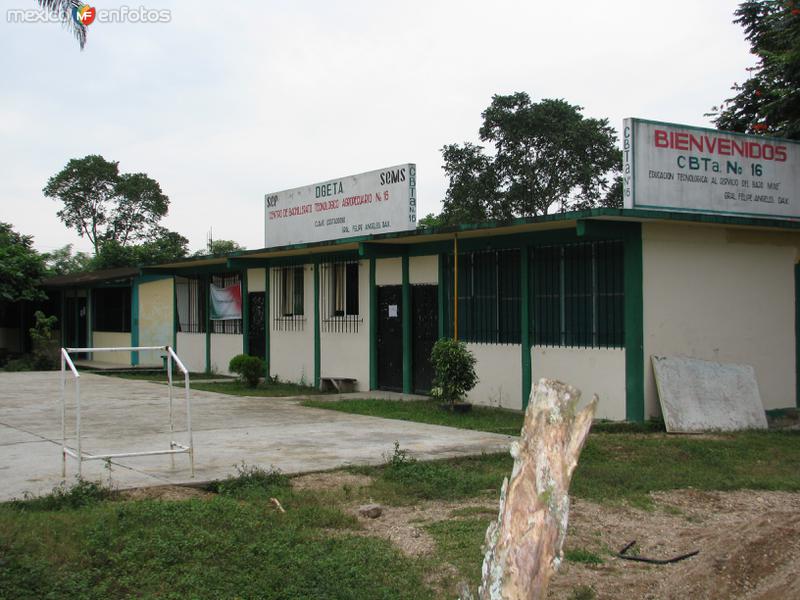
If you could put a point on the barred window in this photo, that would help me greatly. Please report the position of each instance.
(488, 296)
(339, 296)
(288, 298)
(233, 326)
(578, 295)
(112, 309)
(190, 294)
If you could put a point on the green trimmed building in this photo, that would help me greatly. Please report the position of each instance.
(586, 297)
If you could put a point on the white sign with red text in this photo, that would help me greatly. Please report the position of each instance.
(375, 202)
(689, 169)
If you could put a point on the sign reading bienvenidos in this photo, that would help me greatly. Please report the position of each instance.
(375, 202)
(689, 169)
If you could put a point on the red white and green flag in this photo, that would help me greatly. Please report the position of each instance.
(226, 303)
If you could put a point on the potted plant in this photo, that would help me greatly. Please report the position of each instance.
(454, 368)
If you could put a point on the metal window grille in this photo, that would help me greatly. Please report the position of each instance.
(112, 309)
(578, 295)
(230, 325)
(339, 306)
(488, 296)
(191, 300)
(288, 299)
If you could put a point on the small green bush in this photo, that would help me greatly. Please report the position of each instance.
(45, 349)
(249, 368)
(454, 366)
(63, 497)
(251, 480)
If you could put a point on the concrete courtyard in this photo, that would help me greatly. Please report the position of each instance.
(121, 416)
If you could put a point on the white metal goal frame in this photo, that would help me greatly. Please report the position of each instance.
(77, 452)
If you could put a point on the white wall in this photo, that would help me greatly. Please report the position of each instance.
(292, 352)
(598, 371)
(255, 280)
(156, 324)
(388, 271)
(346, 354)
(423, 269)
(224, 346)
(499, 369)
(192, 351)
(112, 339)
(721, 294)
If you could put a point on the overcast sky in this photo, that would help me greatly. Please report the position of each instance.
(229, 101)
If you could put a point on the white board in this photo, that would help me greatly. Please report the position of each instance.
(379, 201)
(700, 395)
(690, 169)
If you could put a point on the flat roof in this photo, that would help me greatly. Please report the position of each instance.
(466, 231)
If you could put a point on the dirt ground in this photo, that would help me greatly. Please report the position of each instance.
(748, 541)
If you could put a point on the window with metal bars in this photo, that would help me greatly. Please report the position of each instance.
(233, 326)
(578, 295)
(488, 296)
(339, 296)
(112, 309)
(287, 299)
(191, 302)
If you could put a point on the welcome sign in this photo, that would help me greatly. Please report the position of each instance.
(375, 202)
(690, 169)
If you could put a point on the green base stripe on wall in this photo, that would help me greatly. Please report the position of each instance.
(797, 334)
(634, 324)
(373, 327)
(525, 307)
(406, 314)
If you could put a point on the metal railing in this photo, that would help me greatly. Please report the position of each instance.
(77, 452)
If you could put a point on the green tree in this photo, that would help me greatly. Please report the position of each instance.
(106, 206)
(21, 267)
(768, 102)
(548, 153)
(62, 261)
(165, 246)
(473, 194)
(544, 154)
(219, 247)
(63, 10)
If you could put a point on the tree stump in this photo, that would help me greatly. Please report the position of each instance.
(524, 546)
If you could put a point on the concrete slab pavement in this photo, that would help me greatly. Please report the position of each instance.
(122, 416)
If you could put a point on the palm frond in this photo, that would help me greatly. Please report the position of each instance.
(64, 8)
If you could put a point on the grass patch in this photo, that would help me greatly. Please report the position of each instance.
(579, 555)
(269, 390)
(82, 494)
(480, 418)
(159, 375)
(459, 543)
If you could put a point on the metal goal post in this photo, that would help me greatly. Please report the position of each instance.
(77, 453)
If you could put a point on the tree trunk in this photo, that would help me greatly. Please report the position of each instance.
(524, 545)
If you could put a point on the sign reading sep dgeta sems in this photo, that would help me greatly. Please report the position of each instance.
(689, 169)
(374, 202)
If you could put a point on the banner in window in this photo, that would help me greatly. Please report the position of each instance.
(226, 303)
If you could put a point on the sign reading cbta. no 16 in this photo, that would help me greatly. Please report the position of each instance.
(374, 202)
(688, 169)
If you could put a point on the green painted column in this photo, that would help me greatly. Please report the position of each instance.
(441, 296)
(525, 319)
(267, 372)
(634, 324)
(797, 334)
(175, 320)
(207, 283)
(90, 320)
(134, 321)
(245, 315)
(317, 357)
(408, 385)
(63, 323)
(373, 327)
